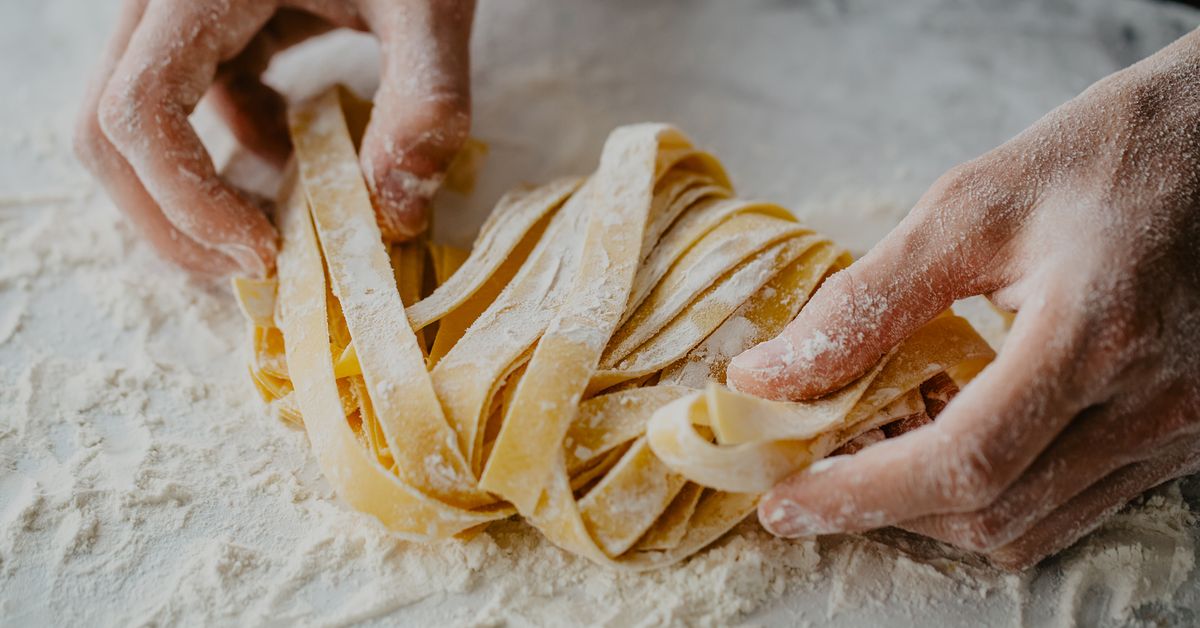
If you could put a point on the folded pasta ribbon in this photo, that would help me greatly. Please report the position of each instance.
(569, 367)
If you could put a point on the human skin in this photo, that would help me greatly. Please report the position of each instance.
(1087, 225)
(134, 135)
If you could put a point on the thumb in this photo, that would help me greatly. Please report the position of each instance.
(856, 316)
(422, 110)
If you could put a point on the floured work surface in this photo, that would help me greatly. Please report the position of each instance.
(143, 485)
(570, 367)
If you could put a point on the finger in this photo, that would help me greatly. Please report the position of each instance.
(1088, 510)
(87, 125)
(170, 61)
(933, 257)
(1144, 416)
(256, 113)
(989, 434)
(1099, 441)
(118, 178)
(422, 109)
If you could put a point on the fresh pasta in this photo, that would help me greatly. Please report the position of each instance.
(569, 368)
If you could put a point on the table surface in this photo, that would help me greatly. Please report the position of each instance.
(843, 110)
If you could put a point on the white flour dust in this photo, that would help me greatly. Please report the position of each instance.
(142, 483)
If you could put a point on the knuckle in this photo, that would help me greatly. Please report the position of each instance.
(1140, 100)
(970, 481)
(118, 115)
(989, 191)
(981, 486)
(841, 285)
(983, 531)
(129, 106)
(955, 184)
(445, 122)
(967, 219)
(1112, 336)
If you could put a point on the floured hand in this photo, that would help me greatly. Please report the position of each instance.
(135, 136)
(1088, 225)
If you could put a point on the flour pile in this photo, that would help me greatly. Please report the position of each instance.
(142, 483)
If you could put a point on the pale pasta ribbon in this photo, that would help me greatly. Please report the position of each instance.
(443, 389)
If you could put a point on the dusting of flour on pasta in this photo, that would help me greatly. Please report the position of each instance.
(142, 483)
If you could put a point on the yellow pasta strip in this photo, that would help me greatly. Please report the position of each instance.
(256, 298)
(347, 364)
(453, 325)
(517, 215)
(565, 357)
(720, 251)
(629, 499)
(641, 281)
(357, 478)
(761, 442)
(392, 362)
(690, 228)
(668, 530)
(710, 308)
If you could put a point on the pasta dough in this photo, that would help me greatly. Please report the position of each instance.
(569, 368)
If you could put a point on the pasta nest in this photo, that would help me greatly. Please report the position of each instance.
(569, 368)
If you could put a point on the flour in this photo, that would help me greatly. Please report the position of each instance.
(142, 482)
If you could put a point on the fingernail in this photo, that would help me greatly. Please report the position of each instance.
(823, 465)
(769, 355)
(783, 517)
(245, 257)
(402, 200)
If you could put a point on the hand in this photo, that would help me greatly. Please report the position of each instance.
(134, 134)
(1088, 226)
